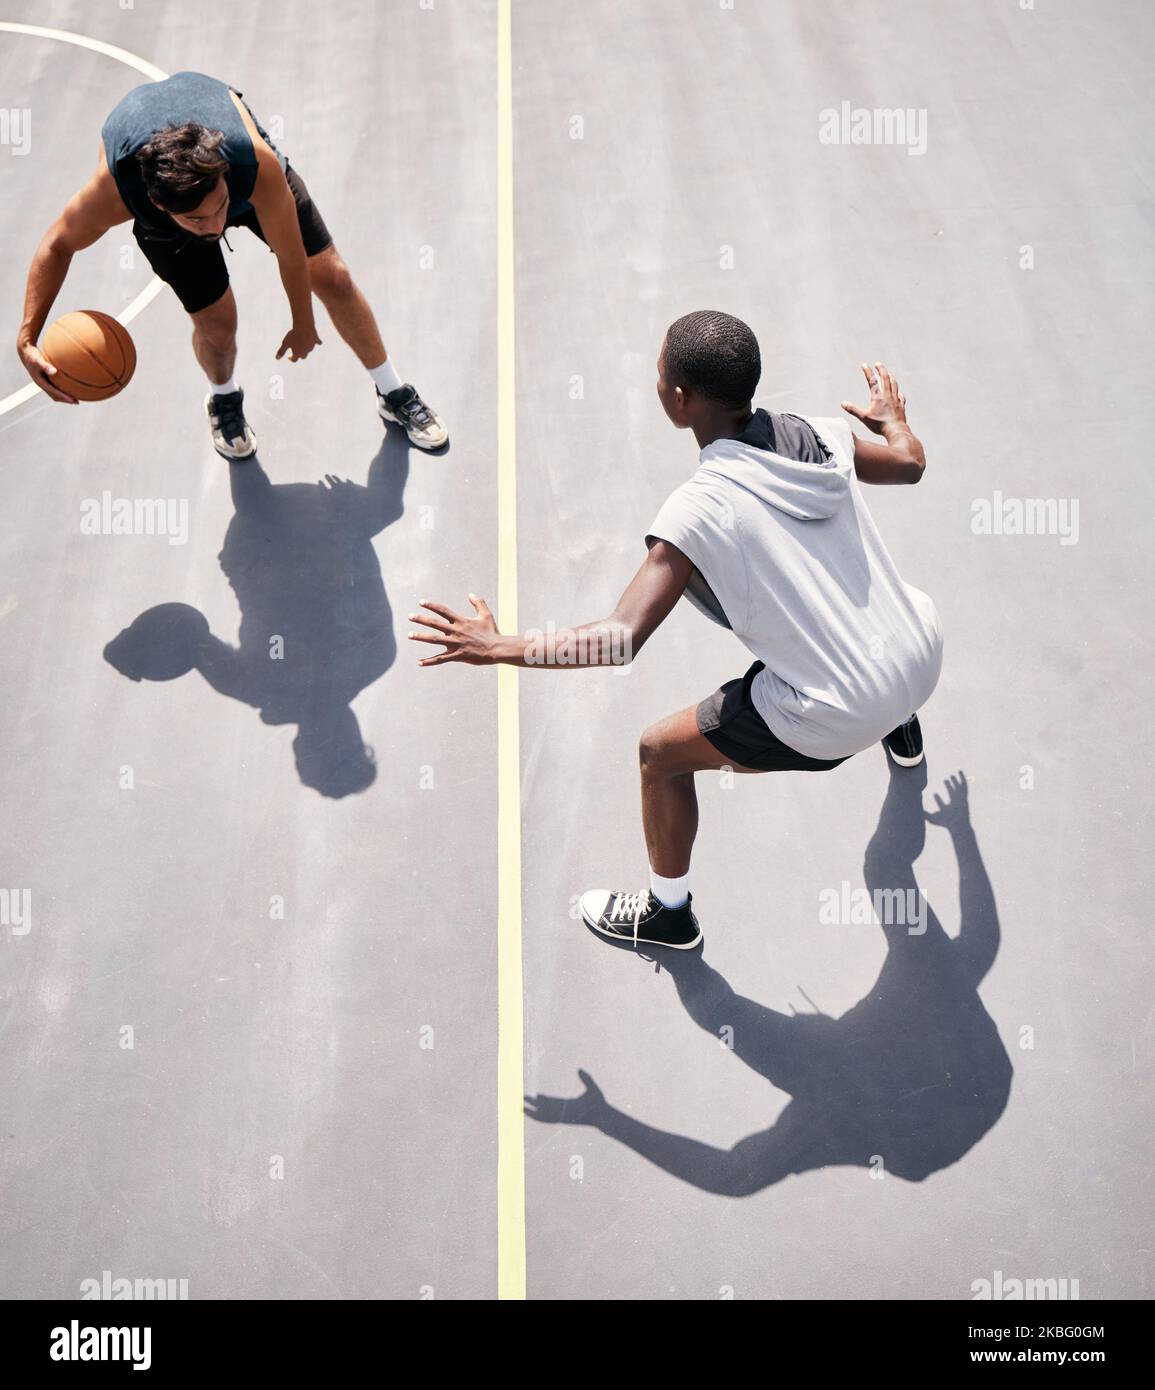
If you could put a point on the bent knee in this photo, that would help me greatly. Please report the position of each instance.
(653, 749)
(329, 275)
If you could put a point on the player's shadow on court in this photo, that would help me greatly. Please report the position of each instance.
(905, 1082)
(316, 627)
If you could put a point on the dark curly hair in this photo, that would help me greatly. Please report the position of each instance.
(181, 165)
(714, 354)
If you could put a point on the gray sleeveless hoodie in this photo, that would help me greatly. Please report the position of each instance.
(793, 563)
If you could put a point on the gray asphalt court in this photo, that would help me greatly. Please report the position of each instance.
(249, 941)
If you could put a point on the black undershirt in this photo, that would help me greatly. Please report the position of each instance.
(787, 435)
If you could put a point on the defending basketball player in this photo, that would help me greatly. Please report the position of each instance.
(185, 160)
(770, 537)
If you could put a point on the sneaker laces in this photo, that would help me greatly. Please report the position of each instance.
(230, 413)
(629, 906)
(418, 412)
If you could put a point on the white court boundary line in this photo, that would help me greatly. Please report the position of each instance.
(122, 55)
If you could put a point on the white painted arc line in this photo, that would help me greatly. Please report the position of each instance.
(122, 55)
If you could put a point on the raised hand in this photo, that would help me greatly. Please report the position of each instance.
(887, 404)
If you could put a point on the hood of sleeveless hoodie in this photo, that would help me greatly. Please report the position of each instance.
(808, 491)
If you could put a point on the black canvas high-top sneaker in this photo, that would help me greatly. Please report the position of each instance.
(641, 918)
(904, 744)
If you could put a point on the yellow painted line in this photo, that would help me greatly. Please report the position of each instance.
(510, 1000)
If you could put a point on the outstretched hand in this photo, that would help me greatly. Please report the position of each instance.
(472, 640)
(887, 404)
(582, 1110)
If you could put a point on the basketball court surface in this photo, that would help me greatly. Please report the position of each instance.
(269, 1007)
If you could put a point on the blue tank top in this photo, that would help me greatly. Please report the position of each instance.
(154, 106)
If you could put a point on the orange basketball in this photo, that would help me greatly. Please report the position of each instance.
(94, 356)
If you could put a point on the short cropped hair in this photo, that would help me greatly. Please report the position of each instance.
(714, 354)
(181, 165)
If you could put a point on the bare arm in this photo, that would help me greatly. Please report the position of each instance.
(901, 458)
(85, 219)
(614, 641)
(276, 209)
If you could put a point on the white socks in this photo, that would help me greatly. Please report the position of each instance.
(670, 892)
(385, 377)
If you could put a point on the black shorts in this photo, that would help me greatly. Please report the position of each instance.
(196, 269)
(733, 725)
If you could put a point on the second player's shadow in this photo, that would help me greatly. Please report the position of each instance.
(316, 627)
(905, 1082)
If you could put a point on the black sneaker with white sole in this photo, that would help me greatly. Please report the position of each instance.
(641, 919)
(405, 407)
(232, 437)
(904, 744)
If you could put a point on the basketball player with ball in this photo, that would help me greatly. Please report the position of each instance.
(185, 160)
